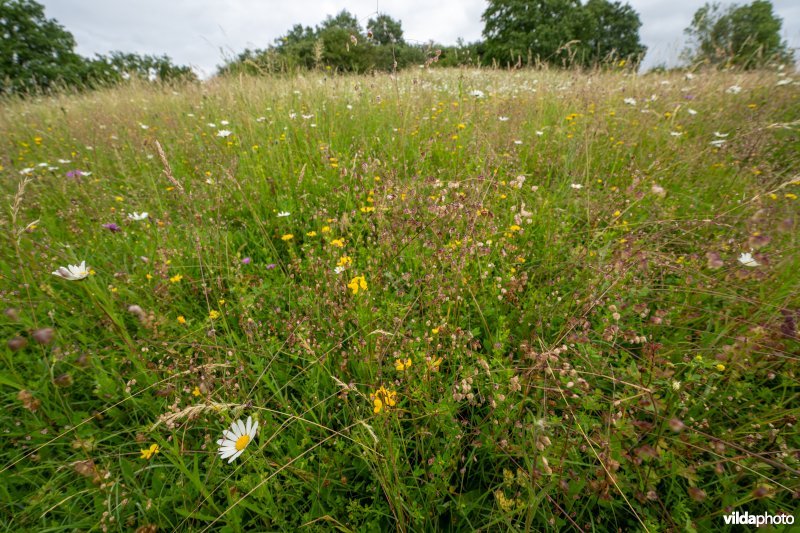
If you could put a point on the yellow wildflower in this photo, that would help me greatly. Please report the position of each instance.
(311, 234)
(287, 237)
(181, 320)
(213, 314)
(383, 398)
(358, 282)
(196, 391)
(176, 278)
(147, 453)
(339, 243)
(344, 261)
(402, 364)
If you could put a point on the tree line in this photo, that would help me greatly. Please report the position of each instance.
(38, 53)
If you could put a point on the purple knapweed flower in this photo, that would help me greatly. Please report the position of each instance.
(113, 228)
(246, 261)
(271, 266)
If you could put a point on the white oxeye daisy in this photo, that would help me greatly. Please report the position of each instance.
(137, 216)
(235, 440)
(284, 214)
(502, 119)
(747, 260)
(72, 272)
(224, 133)
(576, 186)
(630, 101)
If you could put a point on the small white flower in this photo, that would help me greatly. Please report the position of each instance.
(517, 142)
(261, 119)
(211, 125)
(224, 122)
(137, 216)
(64, 161)
(718, 143)
(338, 270)
(292, 115)
(144, 126)
(692, 111)
(349, 106)
(676, 133)
(733, 89)
(630, 101)
(224, 133)
(502, 119)
(689, 76)
(747, 260)
(72, 272)
(576, 186)
(476, 93)
(539, 133)
(785, 81)
(26, 171)
(306, 117)
(235, 440)
(720, 135)
(42, 164)
(284, 214)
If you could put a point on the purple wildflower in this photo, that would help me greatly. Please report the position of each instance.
(271, 266)
(113, 228)
(74, 173)
(246, 261)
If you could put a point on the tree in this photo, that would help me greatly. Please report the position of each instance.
(560, 31)
(119, 66)
(746, 36)
(612, 32)
(518, 29)
(344, 45)
(386, 31)
(35, 52)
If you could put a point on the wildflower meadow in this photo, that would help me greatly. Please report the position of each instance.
(441, 300)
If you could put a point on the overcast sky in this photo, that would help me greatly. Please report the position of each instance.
(201, 33)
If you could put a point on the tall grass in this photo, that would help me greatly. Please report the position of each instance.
(560, 267)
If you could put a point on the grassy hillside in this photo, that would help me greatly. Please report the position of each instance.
(453, 300)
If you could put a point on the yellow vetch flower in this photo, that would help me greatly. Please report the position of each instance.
(339, 243)
(213, 314)
(181, 320)
(358, 282)
(196, 391)
(311, 234)
(720, 367)
(402, 364)
(344, 261)
(287, 237)
(176, 278)
(147, 453)
(367, 209)
(383, 398)
(325, 229)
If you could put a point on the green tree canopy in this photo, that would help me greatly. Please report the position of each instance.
(385, 30)
(35, 52)
(38, 53)
(560, 31)
(747, 36)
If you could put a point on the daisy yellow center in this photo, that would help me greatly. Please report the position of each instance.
(241, 442)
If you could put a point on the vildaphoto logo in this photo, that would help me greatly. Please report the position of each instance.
(745, 519)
